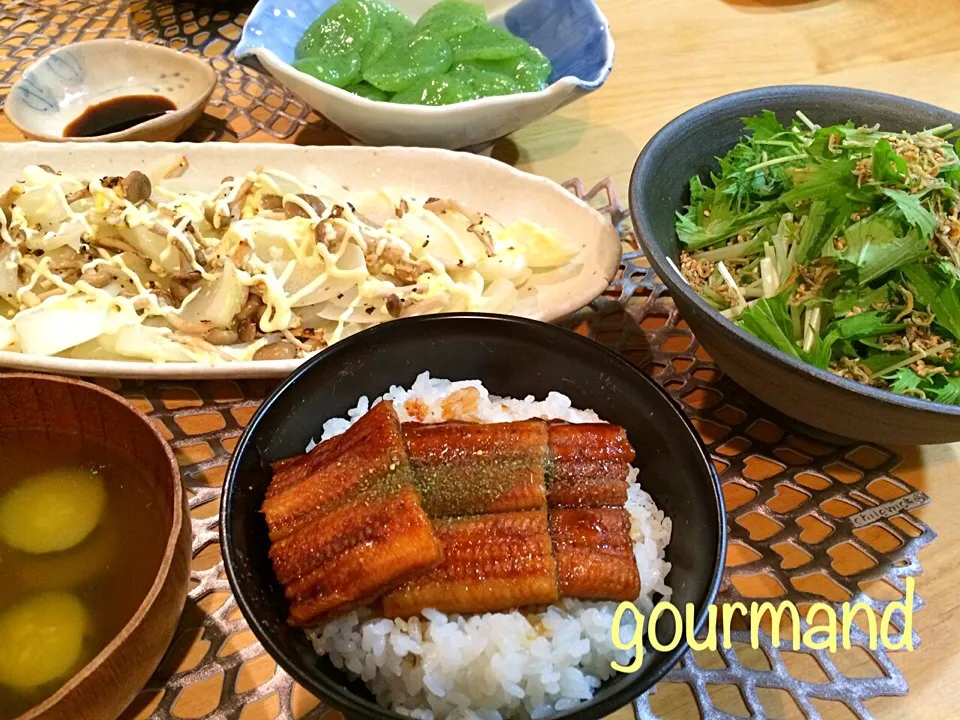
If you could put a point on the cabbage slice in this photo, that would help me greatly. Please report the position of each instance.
(155, 247)
(148, 343)
(501, 295)
(100, 348)
(543, 248)
(8, 334)
(9, 282)
(51, 328)
(44, 207)
(69, 234)
(218, 301)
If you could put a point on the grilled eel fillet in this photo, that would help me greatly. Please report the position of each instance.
(370, 455)
(472, 469)
(353, 555)
(347, 526)
(491, 563)
(588, 463)
(594, 554)
(505, 561)
(345, 522)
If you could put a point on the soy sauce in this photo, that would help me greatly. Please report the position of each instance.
(118, 114)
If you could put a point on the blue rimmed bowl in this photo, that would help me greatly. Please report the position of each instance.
(573, 34)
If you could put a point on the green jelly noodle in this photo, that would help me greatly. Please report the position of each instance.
(451, 55)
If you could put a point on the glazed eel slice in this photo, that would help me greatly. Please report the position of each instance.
(349, 521)
(491, 563)
(588, 465)
(368, 457)
(589, 526)
(471, 468)
(353, 555)
(505, 561)
(345, 521)
(594, 554)
(493, 469)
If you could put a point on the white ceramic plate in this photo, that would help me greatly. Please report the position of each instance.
(479, 182)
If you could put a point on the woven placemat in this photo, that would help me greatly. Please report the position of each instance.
(791, 499)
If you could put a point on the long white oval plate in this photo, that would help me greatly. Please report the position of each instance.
(479, 182)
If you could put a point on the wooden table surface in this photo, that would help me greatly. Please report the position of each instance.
(674, 54)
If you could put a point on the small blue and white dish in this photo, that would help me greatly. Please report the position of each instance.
(573, 34)
(62, 85)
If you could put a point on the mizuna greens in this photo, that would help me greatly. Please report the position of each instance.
(839, 246)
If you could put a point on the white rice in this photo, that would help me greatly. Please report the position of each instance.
(495, 665)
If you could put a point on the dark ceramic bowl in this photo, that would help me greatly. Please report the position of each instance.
(659, 188)
(512, 357)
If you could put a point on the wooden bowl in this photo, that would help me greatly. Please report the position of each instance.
(109, 682)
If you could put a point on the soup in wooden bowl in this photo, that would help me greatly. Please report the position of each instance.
(94, 549)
